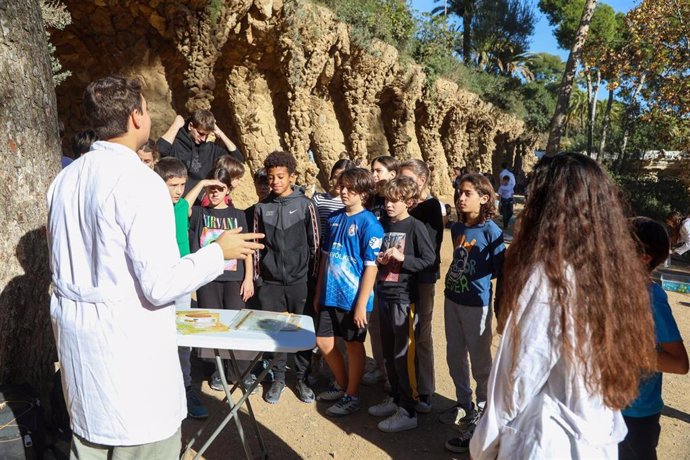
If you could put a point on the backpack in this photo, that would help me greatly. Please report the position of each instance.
(21, 423)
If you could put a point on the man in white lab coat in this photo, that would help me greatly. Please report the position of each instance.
(116, 272)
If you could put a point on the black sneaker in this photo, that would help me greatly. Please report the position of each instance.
(460, 444)
(306, 395)
(273, 394)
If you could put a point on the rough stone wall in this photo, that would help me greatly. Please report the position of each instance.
(282, 75)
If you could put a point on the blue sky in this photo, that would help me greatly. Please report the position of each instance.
(543, 39)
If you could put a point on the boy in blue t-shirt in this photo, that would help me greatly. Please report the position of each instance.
(642, 416)
(478, 253)
(344, 295)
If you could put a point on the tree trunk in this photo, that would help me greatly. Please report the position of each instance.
(626, 128)
(29, 160)
(605, 124)
(467, 31)
(556, 129)
(592, 110)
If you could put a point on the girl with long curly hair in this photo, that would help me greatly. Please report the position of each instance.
(577, 328)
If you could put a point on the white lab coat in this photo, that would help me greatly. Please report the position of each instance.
(116, 271)
(548, 413)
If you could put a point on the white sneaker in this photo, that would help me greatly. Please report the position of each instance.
(373, 377)
(334, 393)
(400, 421)
(385, 408)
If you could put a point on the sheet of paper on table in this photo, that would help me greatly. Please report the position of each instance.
(264, 321)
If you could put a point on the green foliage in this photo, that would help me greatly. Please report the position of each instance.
(565, 15)
(214, 9)
(501, 30)
(546, 67)
(653, 196)
(55, 16)
(539, 106)
(386, 20)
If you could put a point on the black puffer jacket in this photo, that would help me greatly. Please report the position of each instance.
(291, 226)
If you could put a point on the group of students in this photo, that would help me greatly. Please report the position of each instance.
(372, 245)
(583, 343)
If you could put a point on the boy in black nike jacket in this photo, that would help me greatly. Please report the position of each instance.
(291, 224)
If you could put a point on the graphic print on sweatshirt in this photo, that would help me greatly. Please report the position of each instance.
(461, 266)
(391, 271)
(213, 228)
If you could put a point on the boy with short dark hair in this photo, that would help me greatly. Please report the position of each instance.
(344, 295)
(642, 416)
(173, 172)
(291, 224)
(406, 251)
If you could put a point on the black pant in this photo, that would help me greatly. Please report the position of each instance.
(642, 438)
(399, 333)
(223, 295)
(291, 299)
(506, 211)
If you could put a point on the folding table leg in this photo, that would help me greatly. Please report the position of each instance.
(247, 392)
(234, 408)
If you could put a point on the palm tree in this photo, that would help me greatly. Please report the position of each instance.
(465, 10)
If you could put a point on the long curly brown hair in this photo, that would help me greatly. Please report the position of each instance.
(573, 221)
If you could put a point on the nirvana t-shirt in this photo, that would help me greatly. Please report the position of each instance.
(352, 243)
(207, 224)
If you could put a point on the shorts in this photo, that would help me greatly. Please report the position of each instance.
(336, 322)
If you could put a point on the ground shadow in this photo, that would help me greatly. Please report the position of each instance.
(675, 413)
(405, 445)
(228, 443)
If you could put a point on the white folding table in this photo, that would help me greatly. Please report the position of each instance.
(256, 343)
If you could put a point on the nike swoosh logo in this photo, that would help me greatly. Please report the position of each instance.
(293, 211)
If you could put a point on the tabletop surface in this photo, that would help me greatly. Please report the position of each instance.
(278, 341)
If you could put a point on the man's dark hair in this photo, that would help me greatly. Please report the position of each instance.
(358, 180)
(504, 165)
(203, 119)
(278, 158)
(169, 168)
(81, 142)
(109, 102)
(652, 240)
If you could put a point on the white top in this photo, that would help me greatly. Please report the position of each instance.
(506, 172)
(684, 238)
(115, 264)
(548, 412)
(505, 191)
(237, 339)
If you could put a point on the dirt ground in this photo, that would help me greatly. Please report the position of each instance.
(293, 429)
